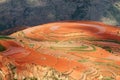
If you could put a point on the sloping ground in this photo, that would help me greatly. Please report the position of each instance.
(16, 13)
(62, 50)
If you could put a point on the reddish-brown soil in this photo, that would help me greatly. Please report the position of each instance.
(88, 50)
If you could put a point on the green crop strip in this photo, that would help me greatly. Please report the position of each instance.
(108, 64)
(83, 48)
(108, 78)
(83, 60)
(114, 41)
(5, 37)
(31, 45)
(80, 48)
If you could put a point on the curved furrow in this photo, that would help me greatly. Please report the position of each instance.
(83, 76)
(92, 73)
(96, 76)
(108, 73)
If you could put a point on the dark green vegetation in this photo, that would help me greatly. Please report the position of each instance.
(107, 48)
(2, 48)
